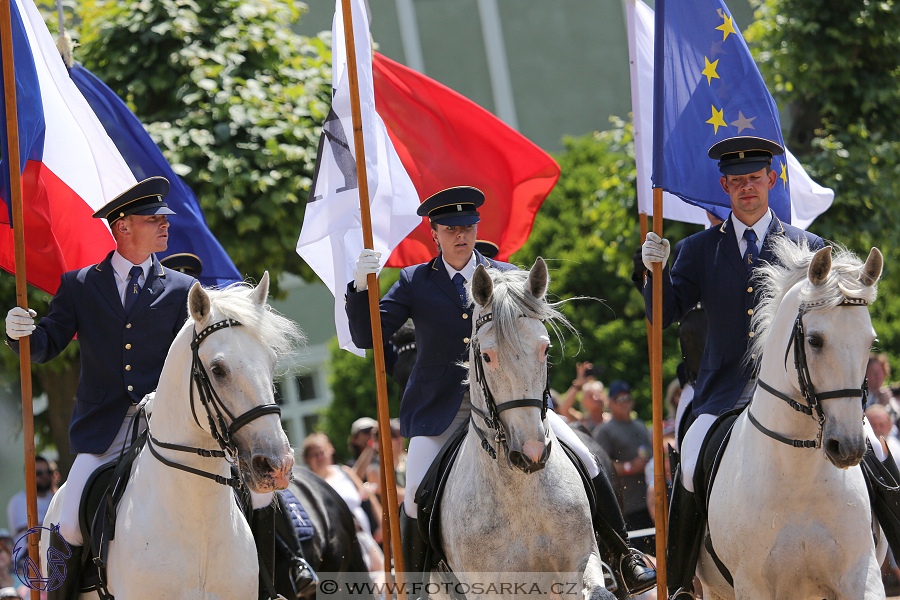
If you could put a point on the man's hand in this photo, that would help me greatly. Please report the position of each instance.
(19, 322)
(365, 264)
(654, 250)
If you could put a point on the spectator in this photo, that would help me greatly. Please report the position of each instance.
(373, 479)
(881, 423)
(360, 438)
(46, 479)
(878, 370)
(593, 399)
(6, 562)
(627, 442)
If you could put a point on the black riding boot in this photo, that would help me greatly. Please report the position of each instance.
(415, 551)
(883, 484)
(609, 525)
(66, 569)
(683, 541)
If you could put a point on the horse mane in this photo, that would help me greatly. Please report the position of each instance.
(271, 328)
(791, 267)
(509, 300)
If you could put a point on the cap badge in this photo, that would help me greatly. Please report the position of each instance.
(459, 207)
(741, 154)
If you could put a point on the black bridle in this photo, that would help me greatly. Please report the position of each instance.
(216, 412)
(492, 416)
(813, 406)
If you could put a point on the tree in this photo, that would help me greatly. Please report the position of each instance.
(234, 98)
(832, 66)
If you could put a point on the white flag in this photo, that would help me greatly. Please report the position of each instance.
(332, 237)
(808, 198)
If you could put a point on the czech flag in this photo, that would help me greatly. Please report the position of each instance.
(70, 166)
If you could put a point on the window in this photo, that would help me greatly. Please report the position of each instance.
(309, 423)
(307, 387)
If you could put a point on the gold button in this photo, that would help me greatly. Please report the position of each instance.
(753, 356)
(130, 389)
(128, 326)
(465, 315)
(752, 334)
(465, 340)
(750, 312)
(128, 346)
(127, 367)
(749, 290)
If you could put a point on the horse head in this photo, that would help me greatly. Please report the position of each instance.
(511, 345)
(822, 331)
(239, 363)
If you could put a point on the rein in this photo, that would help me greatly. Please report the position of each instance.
(223, 434)
(492, 416)
(813, 406)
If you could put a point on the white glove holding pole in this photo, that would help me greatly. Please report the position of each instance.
(19, 322)
(654, 250)
(365, 264)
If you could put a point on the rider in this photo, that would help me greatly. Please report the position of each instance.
(126, 311)
(436, 399)
(710, 269)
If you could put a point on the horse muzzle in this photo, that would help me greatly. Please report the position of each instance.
(844, 453)
(267, 472)
(532, 457)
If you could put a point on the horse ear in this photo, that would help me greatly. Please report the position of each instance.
(820, 266)
(198, 304)
(261, 293)
(538, 279)
(871, 272)
(482, 286)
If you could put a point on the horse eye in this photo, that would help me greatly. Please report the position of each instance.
(218, 371)
(485, 357)
(815, 342)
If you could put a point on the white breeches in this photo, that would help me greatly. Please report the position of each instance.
(423, 449)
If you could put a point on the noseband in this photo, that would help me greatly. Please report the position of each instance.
(807, 389)
(222, 433)
(492, 416)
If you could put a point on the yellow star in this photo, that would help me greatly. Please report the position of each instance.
(727, 27)
(784, 173)
(717, 119)
(710, 70)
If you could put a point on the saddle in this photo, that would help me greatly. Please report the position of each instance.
(431, 491)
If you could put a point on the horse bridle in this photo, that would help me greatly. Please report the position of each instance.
(807, 389)
(492, 416)
(222, 433)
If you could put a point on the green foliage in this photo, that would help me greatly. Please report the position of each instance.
(234, 98)
(588, 230)
(833, 68)
(352, 382)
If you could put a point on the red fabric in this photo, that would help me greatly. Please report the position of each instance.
(60, 234)
(445, 140)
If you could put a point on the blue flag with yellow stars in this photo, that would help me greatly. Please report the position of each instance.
(707, 88)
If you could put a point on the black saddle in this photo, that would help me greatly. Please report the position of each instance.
(431, 491)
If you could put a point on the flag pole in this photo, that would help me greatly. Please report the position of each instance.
(656, 382)
(385, 449)
(15, 179)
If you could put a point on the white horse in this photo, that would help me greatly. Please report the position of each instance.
(794, 522)
(178, 534)
(521, 508)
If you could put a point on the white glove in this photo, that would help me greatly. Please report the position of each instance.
(19, 323)
(654, 250)
(365, 264)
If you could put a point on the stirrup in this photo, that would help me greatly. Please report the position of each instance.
(682, 594)
(609, 577)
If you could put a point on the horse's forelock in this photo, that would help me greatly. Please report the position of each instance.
(236, 302)
(776, 280)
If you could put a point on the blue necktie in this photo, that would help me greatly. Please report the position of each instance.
(752, 252)
(133, 288)
(459, 281)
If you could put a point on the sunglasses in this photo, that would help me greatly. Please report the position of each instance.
(366, 430)
(620, 399)
(42, 472)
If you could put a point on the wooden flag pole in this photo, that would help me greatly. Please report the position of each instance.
(385, 449)
(656, 382)
(15, 179)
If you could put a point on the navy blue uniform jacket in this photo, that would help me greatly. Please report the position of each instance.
(443, 327)
(121, 355)
(710, 269)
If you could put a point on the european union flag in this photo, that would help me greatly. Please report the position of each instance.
(189, 232)
(707, 88)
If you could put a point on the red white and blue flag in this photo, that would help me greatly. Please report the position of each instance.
(70, 166)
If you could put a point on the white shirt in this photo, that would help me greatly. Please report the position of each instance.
(121, 267)
(467, 271)
(760, 227)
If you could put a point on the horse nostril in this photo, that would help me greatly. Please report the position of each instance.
(834, 448)
(261, 464)
(519, 460)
